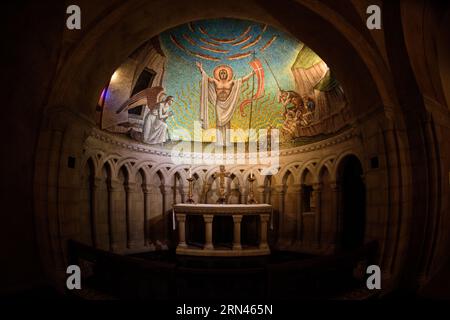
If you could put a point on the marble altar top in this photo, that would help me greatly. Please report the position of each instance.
(202, 208)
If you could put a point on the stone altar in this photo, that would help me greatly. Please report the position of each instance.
(209, 211)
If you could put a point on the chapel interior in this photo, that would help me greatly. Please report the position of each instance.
(227, 149)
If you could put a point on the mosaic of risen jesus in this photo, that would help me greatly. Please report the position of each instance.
(223, 92)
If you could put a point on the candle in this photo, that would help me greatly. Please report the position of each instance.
(190, 172)
(251, 173)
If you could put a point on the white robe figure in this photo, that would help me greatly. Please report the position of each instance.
(155, 128)
(224, 107)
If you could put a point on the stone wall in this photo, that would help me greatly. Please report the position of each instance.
(131, 187)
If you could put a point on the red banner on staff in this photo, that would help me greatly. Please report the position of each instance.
(259, 73)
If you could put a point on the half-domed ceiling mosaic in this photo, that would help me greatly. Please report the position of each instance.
(223, 74)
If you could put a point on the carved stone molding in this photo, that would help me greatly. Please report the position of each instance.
(125, 143)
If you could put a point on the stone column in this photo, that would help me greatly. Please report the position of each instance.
(208, 218)
(132, 228)
(264, 218)
(96, 185)
(184, 196)
(280, 191)
(167, 205)
(147, 189)
(181, 218)
(300, 213)
(244, 194)
(335, 211)
(317, 189)
(237, 232)
(260, 192)
(301, 208)
(203, 197)
(114, 187)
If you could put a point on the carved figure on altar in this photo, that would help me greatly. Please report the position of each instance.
(222, 191)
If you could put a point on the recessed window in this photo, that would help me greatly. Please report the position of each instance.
(144, 81)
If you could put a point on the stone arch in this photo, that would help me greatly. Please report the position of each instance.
(111, 160)
(161, 171)
(259, 178)
(236, 171)
(235, 187)
(328, 163)
(142, 173)
(90, 156)
(286, 174)
(178, 185)
(341, 157)
(289, 170)
(127, 161)
(181, 171)
(108, 166)
(143, 166)
(89, 165)
(308, 168)
(127, 170)
(352, 203)
(321, 170)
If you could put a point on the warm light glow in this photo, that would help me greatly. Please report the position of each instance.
(115, 76)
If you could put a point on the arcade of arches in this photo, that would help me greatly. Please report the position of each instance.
(363, 120)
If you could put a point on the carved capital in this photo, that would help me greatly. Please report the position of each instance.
(149, 188)
(237, 218)
(114, 185)
(208, 218)
(261, 189)
(166, 189)
(317, 187)
(280, 189)
(131, 187)
(296, 188)
(334, 185)
(97, 182)
(181, 217)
